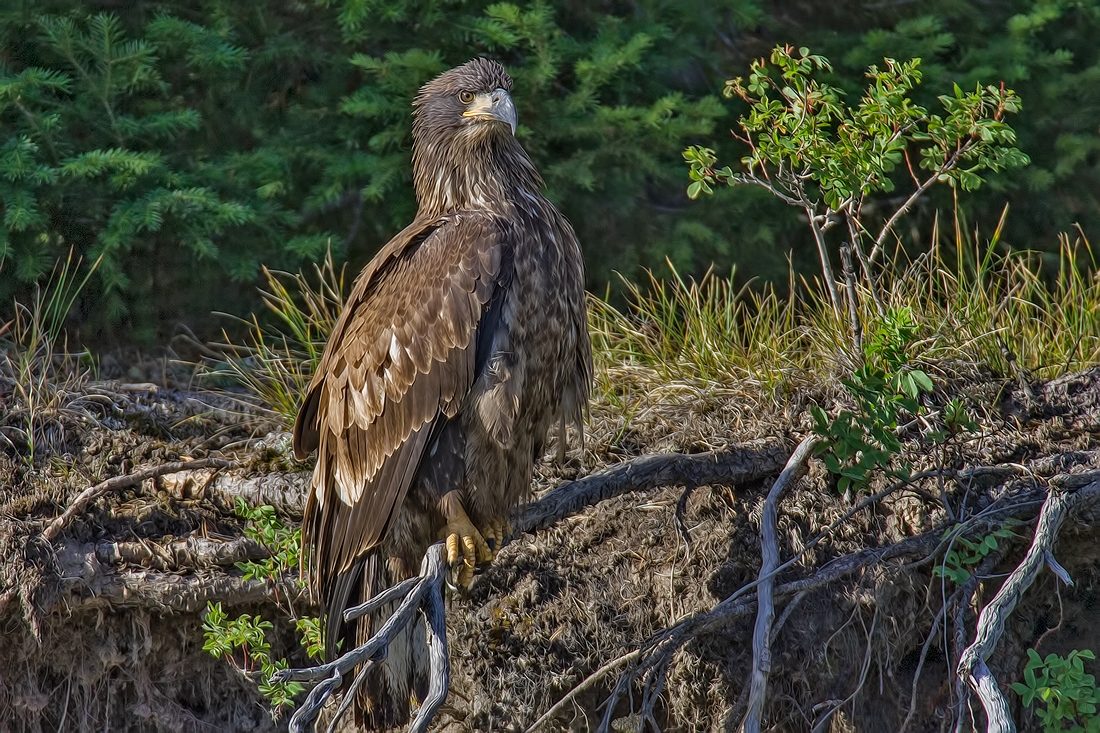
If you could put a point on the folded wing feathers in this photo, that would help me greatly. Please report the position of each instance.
(397, 363)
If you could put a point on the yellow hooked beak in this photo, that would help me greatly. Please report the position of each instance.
(495, 105)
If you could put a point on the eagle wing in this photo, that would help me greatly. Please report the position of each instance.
(401, 357)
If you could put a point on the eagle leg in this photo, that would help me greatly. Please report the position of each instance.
(466, 547)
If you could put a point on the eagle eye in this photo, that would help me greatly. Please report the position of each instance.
(465, 97)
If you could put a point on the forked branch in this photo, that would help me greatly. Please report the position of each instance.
(425, 592)
(972, 667)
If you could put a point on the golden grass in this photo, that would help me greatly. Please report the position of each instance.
(683, 339)
(279, 358)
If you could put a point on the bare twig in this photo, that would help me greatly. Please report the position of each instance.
(765, 615)
(425, 593)
(972, 662)
(823, 253)
(902, 210)
(86, 497)
(588, 682)
(848, 268)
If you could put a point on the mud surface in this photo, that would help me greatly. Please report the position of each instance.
(98, 639)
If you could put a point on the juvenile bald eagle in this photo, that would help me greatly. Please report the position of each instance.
(462, 342)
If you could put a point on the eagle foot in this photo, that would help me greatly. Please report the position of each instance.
(466, 549)
(494, 533)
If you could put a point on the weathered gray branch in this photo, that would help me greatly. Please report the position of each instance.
(736, 465)
(1062, 498)
(765, 615)
(426, 592)
(80, 504)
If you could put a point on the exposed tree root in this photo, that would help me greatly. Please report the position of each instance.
(730, 467)
(1062, 498)
(765, 614)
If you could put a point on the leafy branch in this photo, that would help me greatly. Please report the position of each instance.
(811, 150)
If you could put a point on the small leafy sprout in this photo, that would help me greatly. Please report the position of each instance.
(1060, 684)
(702, 173)
(247, 635)
(855, 444)
(309, 628)
(965, 554)
(284, 543)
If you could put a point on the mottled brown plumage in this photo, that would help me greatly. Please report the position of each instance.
(463, 341)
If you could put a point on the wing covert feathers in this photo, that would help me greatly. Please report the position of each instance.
(401, 355)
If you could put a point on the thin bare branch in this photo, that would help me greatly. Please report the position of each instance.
(86, 497)
(765, 615)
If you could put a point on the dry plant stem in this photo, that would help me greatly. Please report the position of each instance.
(722, 468)
(425, 593)
(855, 233)
(588, 682)
(826, 266)
(86, 497)
(765, 615)
(972, 662)
(848, 269)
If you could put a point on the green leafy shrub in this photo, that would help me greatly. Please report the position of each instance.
(886, 387)
(1069, 696)
(282, 542)
(810, 149)
(243, 642)
(965, 554)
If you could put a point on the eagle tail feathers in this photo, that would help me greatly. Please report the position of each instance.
(383, 700)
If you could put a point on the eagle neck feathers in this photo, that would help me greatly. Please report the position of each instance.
(455, 172)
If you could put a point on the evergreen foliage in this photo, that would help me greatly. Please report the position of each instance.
(188, 145)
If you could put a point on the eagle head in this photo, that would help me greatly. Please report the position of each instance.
(465, 153)
(468, 101)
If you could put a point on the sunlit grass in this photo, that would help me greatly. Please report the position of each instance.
(975, 309)
(678, 337)
(278, 359)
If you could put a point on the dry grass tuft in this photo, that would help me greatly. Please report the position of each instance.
(279, 358)
(41, 380)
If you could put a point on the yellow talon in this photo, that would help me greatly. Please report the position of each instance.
(466, 548)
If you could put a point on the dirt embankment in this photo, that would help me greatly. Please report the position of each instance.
(102, 625)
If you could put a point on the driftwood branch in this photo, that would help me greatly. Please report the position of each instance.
(765, 615)
(730, 467)
(424, 593)
(285, 491)
(85, 498)
(1062, 498)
